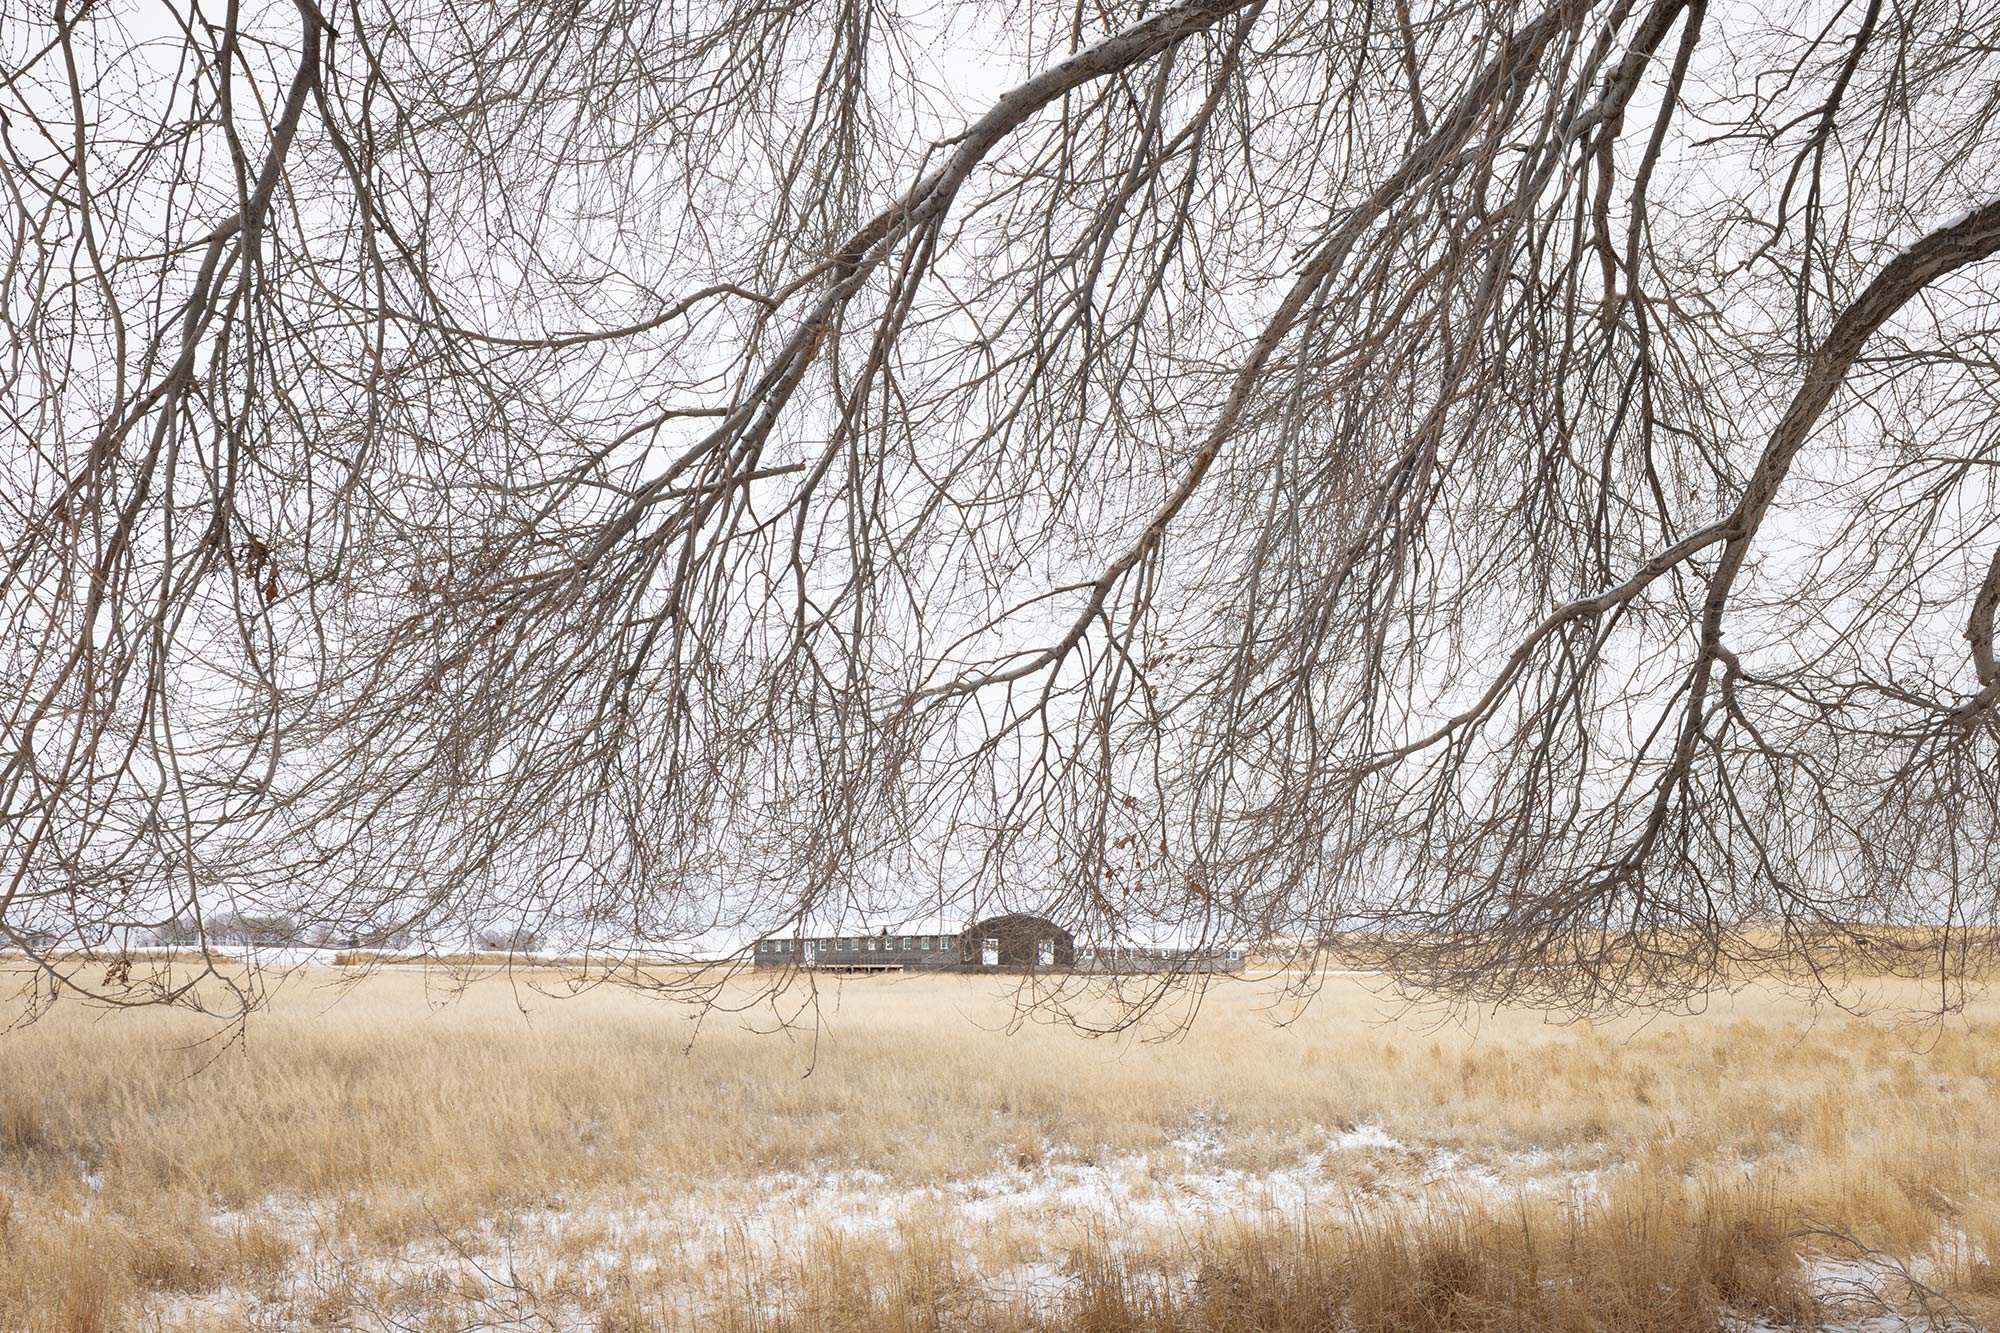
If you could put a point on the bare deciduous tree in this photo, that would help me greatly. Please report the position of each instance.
(1510, 484)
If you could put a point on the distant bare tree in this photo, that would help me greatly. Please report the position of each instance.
(226, 928)
(1511, 485)
(508, 938)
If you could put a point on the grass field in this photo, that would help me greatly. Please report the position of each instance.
(368, 1157)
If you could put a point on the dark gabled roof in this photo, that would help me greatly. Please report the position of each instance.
(1017, 923)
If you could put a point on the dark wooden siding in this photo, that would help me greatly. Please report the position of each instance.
(882, 951)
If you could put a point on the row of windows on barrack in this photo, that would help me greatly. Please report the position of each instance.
(863, 944)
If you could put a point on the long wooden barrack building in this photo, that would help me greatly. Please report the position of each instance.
(1016, 942)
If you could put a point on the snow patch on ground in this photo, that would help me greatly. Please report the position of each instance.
(1365, 1136)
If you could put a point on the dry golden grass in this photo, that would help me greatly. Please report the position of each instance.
(368, 1156)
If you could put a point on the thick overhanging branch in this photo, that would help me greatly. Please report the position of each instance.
(1966, 241)
(1519, 53)
(849, 269)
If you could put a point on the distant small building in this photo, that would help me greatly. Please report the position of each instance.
(1126, 959)
(1015, 942)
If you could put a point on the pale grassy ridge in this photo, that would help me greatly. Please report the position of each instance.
(371, 1158)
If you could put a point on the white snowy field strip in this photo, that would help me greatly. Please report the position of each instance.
(1013, 1225)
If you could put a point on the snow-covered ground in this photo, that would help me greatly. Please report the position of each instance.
(1013, 1223)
